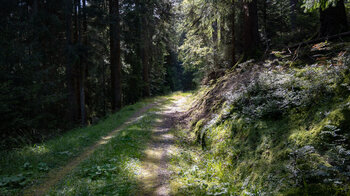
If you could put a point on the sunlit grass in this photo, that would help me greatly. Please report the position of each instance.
(114, 168)
(21, 168)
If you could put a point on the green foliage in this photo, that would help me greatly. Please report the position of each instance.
(114, 168)
(150, 27)
(315, 189)
(312, 5)
(275, 93)
(24, 167)
(13, 181)
(284, 132)
(204, 30)
(282, 24)
(31, 74)
(34, 56)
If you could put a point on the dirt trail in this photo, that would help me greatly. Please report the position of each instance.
(56, 175)
(155, 174)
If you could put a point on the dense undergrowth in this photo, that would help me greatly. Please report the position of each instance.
(25, 167)
(279, 127)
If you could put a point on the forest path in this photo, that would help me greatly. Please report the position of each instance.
(57, 175)
(155, 175)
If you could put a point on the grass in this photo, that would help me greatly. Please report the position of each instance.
(114, 168)
(196, 172)
(25, 167)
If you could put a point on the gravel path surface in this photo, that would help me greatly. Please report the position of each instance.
(155, 174)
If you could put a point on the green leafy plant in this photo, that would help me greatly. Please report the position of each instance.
(13, 181)
(311, 5)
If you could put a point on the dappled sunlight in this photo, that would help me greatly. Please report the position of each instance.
(132, 166)
(174, 97)
(39, 149)
(127, 136)
(155, 174)
(158, 120)
(23, 170)
(269, 132)
(136, 119)
(105, 140)
(131, 160)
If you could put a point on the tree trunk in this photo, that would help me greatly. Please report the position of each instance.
(333, 20)
(35, 7)
(250, 29)
(115, 55)
(265, 20)
(82, 40)
(82, 95)
(104, 91)
(76, 62)
(72, 112)
(145, 70)
(144, 50)
(215, 43)
(293, 15)
(233, 44)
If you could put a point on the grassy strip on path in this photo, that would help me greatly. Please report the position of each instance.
(25, 167)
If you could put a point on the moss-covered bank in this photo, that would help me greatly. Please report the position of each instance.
(282, 129)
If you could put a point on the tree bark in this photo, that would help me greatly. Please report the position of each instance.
(35, 7)
(293, 15)
(250, 29)
(265, 20)
(76, 61)
(233, 43)
(115, 55)
(144, 50)
(82, 40)
(333, 20)
(73, 111)
(145, 70)
(215, 43)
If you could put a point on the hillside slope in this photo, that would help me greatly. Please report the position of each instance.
(276, 127)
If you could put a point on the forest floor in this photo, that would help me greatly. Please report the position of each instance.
(132, 160)
(55, 176)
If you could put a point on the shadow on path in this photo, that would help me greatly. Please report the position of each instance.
(155, 174)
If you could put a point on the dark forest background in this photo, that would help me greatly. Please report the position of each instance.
(69, 63)
(60, 61)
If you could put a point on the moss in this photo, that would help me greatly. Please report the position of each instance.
(261, 149)
(270, 155)
(199, 132)
(220, 139)
(339, 118)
